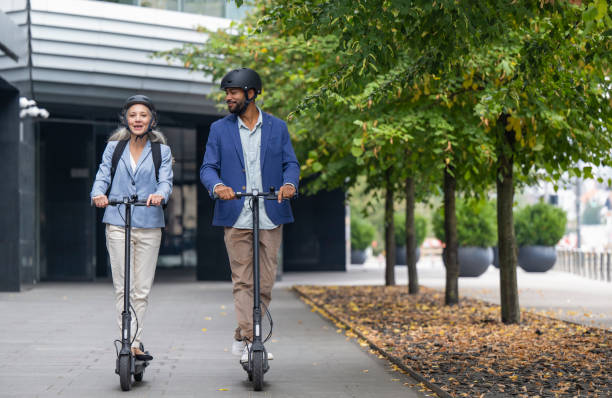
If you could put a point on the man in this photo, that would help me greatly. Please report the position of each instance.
(249, 149)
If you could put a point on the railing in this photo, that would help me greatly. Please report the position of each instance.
(590, 264)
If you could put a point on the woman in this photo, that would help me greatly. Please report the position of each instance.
(135, 174)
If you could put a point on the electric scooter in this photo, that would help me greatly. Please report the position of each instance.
(127, 365)
(257, 363)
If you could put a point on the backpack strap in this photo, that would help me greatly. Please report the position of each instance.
(156, 153)
(119, 149)
(157, 159)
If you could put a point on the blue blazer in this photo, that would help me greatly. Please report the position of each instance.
(224, 164)
(141, 183)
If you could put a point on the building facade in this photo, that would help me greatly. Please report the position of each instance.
(79, 60)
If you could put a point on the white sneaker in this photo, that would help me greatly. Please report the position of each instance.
(238, 347)
(245, 354)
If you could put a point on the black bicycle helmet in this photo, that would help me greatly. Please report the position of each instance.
(244, 78)
(138, 99)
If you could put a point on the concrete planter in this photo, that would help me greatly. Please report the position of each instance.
(496, 257)
(400, 255)
(358, 256)
(473, 261)
(537, 258)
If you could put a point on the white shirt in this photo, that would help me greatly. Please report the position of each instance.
(133, 163)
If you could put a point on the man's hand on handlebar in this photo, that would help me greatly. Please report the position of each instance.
(154, 200)
(286, 192)
(224, 192)
(100, 201)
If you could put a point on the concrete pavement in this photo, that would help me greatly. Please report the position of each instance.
(56, 341)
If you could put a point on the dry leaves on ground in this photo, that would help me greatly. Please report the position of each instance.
(466, 350)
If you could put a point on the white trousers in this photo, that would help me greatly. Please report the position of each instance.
(143, 260)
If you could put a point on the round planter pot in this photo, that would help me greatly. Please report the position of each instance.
(496, 257)
(537, 258)
(400, 255)
(473, 261)
(358, 256)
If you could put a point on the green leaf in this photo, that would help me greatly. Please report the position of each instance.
(590, 14)
(602, 8)
(356, 151)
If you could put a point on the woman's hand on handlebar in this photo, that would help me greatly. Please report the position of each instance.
(154, 200)
(224, 192)
(100, 201)
(286, 192)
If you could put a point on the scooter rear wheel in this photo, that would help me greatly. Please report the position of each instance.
(258, 370)
(125, 375)
(139, 376)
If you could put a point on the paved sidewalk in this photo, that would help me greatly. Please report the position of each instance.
(557, 294)
(56, 341)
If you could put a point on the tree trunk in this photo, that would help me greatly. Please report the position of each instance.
(413, 280)
(451, 295)
(506, 240)
(389, 233)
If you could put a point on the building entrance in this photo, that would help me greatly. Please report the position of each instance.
(66, 216)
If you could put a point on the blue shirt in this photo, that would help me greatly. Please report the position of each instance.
(251, 148)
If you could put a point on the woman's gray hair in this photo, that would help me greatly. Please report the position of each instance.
(123, 133)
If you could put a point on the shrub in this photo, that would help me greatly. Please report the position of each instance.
(362, 233)
(539, 225)
(476, 223)
(420, 225)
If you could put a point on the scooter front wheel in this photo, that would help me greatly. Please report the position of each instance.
(258, 370)
(125, 374)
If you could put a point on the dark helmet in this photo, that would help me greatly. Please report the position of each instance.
(139, 99)
(244, 78)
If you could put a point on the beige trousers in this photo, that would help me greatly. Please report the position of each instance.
(143, 260)
(239, 244)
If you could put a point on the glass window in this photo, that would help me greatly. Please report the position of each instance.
(236, 13)
(215, 8)
(179, 236)
(163, 4)
(132, 2)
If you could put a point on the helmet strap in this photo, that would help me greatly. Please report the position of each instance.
(247, 101)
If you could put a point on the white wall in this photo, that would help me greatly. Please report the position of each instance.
(98, 53)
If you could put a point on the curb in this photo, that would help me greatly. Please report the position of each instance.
(391, 358)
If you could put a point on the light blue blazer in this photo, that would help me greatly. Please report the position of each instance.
(142, 183)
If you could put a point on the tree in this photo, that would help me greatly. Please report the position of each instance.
(538, 72)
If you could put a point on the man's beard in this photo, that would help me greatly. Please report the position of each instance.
(238, 108)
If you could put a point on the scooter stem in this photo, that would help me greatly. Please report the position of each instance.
(256, 288)
(126, 317)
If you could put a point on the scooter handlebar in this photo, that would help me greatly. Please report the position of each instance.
(266, 195)
(270, 195)
(130, 201)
